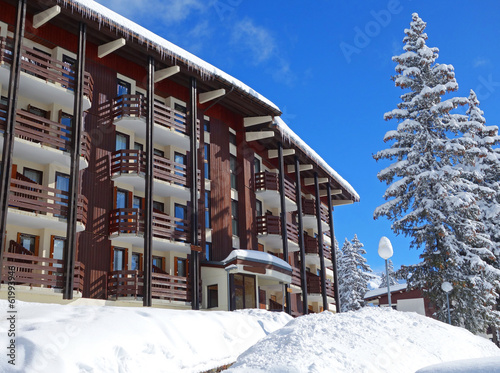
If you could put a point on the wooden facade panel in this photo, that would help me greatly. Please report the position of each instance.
(246, 194)
(220, 190)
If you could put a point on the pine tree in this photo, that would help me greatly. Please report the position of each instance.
(431, 196)
(353, 278)
(392, 276)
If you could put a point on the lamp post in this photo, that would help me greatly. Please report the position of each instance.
(385, 252)
(447, 287)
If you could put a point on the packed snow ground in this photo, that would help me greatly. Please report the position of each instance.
(66, 339)
(371, 340)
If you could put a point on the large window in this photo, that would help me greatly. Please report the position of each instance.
(208, 251)
(34, 175)
(206, 161)
(123, 87)
(122, 141)
(158, 266)
(243, 291)
(208, 221)
(180, 267)
(258, 208)
(233, 165)
(212, 296)
(136, 263)
(62, 184)
(57, 249)
(256, 165)
(119, 260)
(29, 242)
(234, 217)
(121, 199)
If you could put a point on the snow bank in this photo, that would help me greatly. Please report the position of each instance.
(55, 338)
(484, 365)
(371, 340)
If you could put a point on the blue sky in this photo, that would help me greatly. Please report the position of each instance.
(327, 65)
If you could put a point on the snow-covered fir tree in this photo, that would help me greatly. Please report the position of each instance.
(353, 275)
(392, 276)
(431, 196)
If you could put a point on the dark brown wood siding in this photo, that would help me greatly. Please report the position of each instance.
(220, 190)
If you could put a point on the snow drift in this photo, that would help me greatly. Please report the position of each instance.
(55, 338)
(369, 340)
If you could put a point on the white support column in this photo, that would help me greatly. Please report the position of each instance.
(110, 47)
(212, 95)
(42, 18)
(166, 73)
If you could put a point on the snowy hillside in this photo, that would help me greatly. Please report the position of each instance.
(371, 340)
(66, 339)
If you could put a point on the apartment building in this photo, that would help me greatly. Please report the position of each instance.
(135, 173)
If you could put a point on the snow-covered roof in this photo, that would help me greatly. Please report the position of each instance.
(131, 30)
(257, 256)
(382, 291)
(288, 133)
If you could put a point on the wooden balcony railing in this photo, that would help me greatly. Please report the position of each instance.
(311, 246)
(275, 306)
(309, 208)
(163, 286)
(270, 181)
(85, 147)
(45, 67)
(314, 285)
(39, 199)
(131, 221)
(134, 161)
(37, 271)
(269, 224)
(136, 106)
(296, 277)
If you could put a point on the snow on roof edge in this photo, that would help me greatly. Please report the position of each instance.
(257, 256)
(382, 291)
(289, 134)
(98, 12)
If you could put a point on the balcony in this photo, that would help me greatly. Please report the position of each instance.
(314, 287)
(169, 234)
(37, 206)
(43, 78)
(35, 271)
(267, 189)
(296, 279)
(309, 215)
(43, 140)
(170, 178)
(312, 251)
(269, 233)
(129, 112)
(163, 286)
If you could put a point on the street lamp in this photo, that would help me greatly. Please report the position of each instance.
(385, 252)
(447, 287)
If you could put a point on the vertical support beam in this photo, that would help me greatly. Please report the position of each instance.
(320, 243)
(284, 232)
(195, 258)
(69, 253)
(303, 273)
(334, 251)
(148, 195)
(8, 136)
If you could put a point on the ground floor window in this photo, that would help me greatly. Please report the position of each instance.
(242, 291)
(212, 296)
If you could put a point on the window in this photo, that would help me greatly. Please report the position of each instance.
(57, 249)
(232, 138)
(180, 212)
(67, 121)
(123, 87)
(258, 208)
(208, 222)
(158, 206)
(233, 169)
(62, 184)
(234, 217)
(70, 68)
(29, 242)
(206, 125)
(180, 267)
(208, 251)
(244, 291)
(212, 296)
(38, 112)
(122, 141)
(180, 114)
(206, 161)
(34, 175)
(136, 263)
(119, 262)
(138, 146)
(159, 153)
(256, 165)
(137, 203)
(180, 165)
(158, 264)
